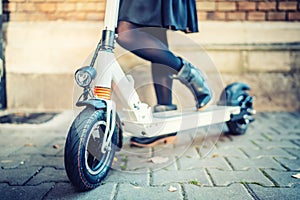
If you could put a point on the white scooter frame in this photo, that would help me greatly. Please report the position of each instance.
(143, 123)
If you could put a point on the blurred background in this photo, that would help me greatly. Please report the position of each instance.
(45, 41)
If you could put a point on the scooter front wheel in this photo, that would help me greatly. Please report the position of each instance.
(85, 164)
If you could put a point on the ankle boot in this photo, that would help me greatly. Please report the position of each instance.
(193, 78)
(162, 139)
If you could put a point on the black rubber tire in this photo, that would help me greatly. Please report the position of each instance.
(82, 164)
(235, 94)
(236, 128)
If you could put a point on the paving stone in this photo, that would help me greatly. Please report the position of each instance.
(238, 143)
(187, 163)
(282, 178)
(297, 142)
(134, 151)
(25, 137)
(289, 129)
(13, 161)
(218, 138)
(140, 164)
(60, 153)
(272, 130)
(284, 135)
(164, 151)
(170, 164)
(293, 152)
(7, 150)
(129, 163)
(290, 117)
(211, 136)
(52, 149)
(227, 152)
(57, 140)
(234, 191)
(45, 161)
(163, 177)
(179, 151)
(133, 159)
(277, 127)
(48, 174)
(31, 149)
(225, 178)
(185, 138)
(208, 140)
(127, 191)
(271, 193)
(277, 144)
(275, 152)
(24, 192)
(291, 164)
(65, 191)
(2, 186)
(283, 117)
(17, 176)
(258, 134)
(10, 138)
(7, 138)
(135, 178)
(245, 164)
(36, 150)
(128, 152)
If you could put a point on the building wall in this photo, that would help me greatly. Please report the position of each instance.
(93, 10)
(256, 42)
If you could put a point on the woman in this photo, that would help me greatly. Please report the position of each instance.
(134, 34)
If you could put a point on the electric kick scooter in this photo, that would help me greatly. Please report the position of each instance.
(96, 133)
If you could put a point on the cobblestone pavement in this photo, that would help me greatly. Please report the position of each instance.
(208, 165)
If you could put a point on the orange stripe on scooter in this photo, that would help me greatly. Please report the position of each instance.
(102, 92)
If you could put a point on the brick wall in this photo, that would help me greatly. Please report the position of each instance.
(251, 10)
(93, 10)
(41, 10)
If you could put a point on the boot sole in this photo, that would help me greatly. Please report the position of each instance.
(167, 140)
(206, 105)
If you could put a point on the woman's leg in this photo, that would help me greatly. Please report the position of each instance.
(136, 40)
(152, 45)
(145, 45)
(160, 73)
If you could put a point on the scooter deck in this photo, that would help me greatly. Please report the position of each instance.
(174, 121)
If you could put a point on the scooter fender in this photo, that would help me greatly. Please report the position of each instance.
(100, 104)
(230, 94)
(96, 103)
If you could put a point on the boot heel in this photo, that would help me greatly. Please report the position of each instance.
(170, 140)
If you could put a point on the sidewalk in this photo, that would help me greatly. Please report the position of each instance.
(258, 165)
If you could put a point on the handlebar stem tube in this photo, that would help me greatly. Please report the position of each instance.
(111, 14)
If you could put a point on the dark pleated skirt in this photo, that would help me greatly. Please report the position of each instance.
(172, 14)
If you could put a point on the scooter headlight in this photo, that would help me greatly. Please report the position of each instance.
(84, 76)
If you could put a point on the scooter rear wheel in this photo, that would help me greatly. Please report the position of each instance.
(236, 94)
(238, 124)
(85, 164)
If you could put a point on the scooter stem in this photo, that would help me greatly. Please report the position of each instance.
(110, 24)
(111, 15)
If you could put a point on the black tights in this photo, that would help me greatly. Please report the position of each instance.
(151, 44)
